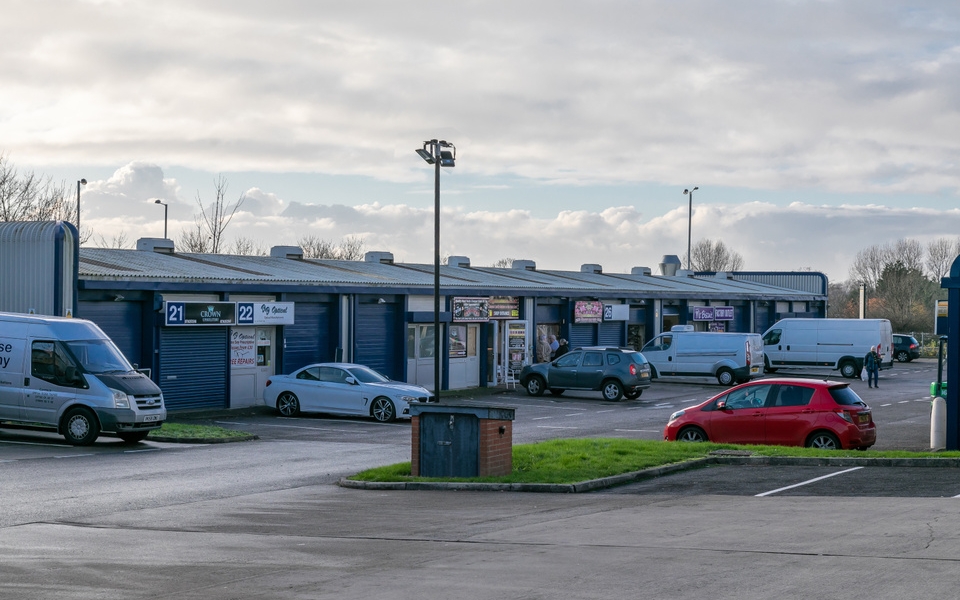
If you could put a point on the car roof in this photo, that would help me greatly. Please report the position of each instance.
(808, 381)
(605, 348)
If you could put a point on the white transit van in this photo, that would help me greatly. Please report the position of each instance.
(834, 343)
(67, 374)
(683, 352)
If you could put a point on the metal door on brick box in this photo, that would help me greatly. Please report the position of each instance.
(449, 445)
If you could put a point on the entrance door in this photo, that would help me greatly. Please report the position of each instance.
(252, 356)
(420, 359)
(473, 356)
(265, 358)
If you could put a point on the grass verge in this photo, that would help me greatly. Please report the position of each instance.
(189, 432)
(575, 460)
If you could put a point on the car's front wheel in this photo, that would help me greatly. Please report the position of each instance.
(612, 390)
(288, 404)
(535, 386)
(80, 427)
(691, 434)
(824, 440)
(383, 410)
(902, 356)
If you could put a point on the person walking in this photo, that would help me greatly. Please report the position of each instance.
(871, 363)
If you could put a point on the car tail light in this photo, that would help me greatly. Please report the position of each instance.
(845, 416)
(748, 353)
(633, 369)
(914, 346)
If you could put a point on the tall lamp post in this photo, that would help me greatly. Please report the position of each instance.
(159, 201)
(689, 194)
(441, 154)
(79, 183)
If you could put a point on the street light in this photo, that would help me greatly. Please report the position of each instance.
(79, 183)
(158, 201)
(689, 193)
(442, 154)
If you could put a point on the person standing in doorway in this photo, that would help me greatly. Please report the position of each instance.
(554, 344)
(562, 349)
(872, 363)
(543, 350)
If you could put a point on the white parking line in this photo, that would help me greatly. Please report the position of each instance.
(882, 405)
(639, 430)
(73, 455)
(903, 402)
(555, 427)
(790, 487)
(574, 414)
(539, 418)
(603, 411)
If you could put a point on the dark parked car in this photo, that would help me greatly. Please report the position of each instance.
(614, 372)
(905, 347)
(815, 413)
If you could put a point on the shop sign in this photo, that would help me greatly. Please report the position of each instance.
(265, 313)
(504, 307)
(712, 313)
(588, 311)
(616, 312)
(200, 313)
(517, 345)
(471, 309)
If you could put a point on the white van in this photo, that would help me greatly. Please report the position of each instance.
(683, 352)
(67, 374)
(835, 343)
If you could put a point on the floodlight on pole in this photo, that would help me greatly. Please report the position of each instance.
(441, 154)
(159, 201)
(79, 183)
(689, 193)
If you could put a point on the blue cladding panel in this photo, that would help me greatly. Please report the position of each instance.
(377, 339)
(193, 367)
(120, 321)
(308, 340)
(582, 334)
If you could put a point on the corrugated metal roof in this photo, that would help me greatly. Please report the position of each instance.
(103, 264)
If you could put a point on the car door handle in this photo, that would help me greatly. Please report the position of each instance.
(757, 414)
(669, 358)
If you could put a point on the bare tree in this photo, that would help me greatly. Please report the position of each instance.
(31, 197)
(503, 263)
(868, 266)
(119, 241)
(244, 246)
(708, 255)
(194, 240)
(215, 217)
(349, 248)
(941, 253)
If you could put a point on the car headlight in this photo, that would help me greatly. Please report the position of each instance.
(409, 399)
(677, 415)
(120, 399)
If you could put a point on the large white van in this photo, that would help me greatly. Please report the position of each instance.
(67, 374)
(683, 352)
(835, 343)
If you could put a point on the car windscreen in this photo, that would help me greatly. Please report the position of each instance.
(367, 375)
(844, 396)
(99, 356)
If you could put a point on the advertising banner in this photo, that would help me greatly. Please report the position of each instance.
(712, 313)
(471, 309)
(243, 350)
(588, 311)
(504, 307)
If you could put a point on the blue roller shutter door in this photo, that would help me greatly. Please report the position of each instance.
(194, 372)
(377, 339)
(119, 320)
(611, 334)
(582, 334)
(307, 341)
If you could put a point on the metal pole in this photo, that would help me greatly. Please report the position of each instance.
(436, 272)
(165, 221)
(78, 207)
(689, 227)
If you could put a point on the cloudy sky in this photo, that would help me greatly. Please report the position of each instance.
(813, 129)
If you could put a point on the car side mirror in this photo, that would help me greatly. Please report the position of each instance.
(351, 380)
(721, 404)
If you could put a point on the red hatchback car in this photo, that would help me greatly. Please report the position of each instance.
(779, 412)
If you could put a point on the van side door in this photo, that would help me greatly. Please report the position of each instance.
(11, 378)
(53, 382)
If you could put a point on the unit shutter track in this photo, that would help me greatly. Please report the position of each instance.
(120, 321)
(376, 339)
(582, 334)
(194, 367)
(611, 334)
(307, 341)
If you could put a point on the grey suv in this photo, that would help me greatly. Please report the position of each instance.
(614, 372)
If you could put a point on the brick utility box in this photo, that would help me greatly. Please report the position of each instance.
(461, 441)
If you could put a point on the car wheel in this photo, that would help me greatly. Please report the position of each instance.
(767, 367)
(848, 369)
(535, 386)
(288, 405)
(823, 440)
(725, 376)
(633, 395)
(902, 356)
(383, 410)
(612, 390)
(80, 427)
(556, 391)
(133, 438)
(691, 434)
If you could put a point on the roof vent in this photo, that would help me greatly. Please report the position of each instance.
(684, 273)
(724, 275)
(159, 245)
(459, 261)
(669, 265)
(640, 271)
(291, 252)
(385, 258)
(526, 265)
(591, 268)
